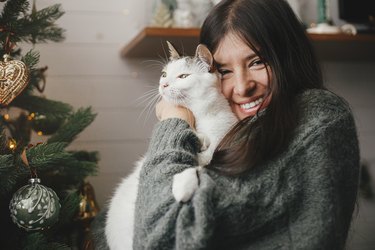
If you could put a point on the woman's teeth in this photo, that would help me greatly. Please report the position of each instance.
(251, 104)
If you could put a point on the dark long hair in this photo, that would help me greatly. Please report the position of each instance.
(274, 33)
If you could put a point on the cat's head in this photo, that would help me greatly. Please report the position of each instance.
(187, 79)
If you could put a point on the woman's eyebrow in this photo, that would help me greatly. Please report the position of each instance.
(218, 65)
(251, 56)
(246, 58)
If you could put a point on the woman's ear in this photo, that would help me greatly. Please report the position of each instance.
(204, 54)
(173, 54)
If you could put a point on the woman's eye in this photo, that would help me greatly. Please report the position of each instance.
(182, 76)
(163, 74)
(257, 63)
(223, 71)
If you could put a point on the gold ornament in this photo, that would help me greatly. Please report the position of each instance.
(14, 77)
(88, 209)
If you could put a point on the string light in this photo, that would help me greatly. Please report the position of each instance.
(6, 117)
(12, 144)
(31, 116)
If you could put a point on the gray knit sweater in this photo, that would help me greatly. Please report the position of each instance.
(303, 199)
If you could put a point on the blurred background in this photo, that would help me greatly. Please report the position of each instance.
(87, 69)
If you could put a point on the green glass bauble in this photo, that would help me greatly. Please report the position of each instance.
(34, 207)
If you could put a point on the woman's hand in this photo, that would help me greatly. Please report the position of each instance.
(165, 110)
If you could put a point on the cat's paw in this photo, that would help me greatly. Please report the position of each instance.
(205, 141)
(204, 158)
(185, 184)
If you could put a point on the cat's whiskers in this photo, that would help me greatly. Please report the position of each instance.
(151, 97)
(148, 110)
(146, 96)
(152, 106)
(159, 64)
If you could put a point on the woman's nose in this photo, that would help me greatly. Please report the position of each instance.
(243, 85)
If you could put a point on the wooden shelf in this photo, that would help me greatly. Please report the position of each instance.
(150, 42)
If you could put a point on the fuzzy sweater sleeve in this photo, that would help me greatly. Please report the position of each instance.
(160, 221)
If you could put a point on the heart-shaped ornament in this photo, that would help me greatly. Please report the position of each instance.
(14, 77)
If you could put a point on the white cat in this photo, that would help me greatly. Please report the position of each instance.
(186, 81)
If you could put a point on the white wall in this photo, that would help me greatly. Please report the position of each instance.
(87, 70)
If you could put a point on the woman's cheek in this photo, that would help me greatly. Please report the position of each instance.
(225, 89)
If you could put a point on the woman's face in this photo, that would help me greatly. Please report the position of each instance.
(243, 75)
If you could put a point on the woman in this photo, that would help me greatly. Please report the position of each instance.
(286, 176)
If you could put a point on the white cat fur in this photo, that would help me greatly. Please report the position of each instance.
(200, 91)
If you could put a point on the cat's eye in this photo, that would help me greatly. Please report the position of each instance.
(163, 74)
(182, 76)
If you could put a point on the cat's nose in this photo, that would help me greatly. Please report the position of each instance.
(164, 85)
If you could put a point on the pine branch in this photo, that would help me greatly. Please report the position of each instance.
(46, 156)
(44, 106)
(12, 10)
(31, 59)
(69, 209)
(38, 241)
(51, 158)
(34, 241)
(86, 156)
(3, 139)
(56, 246)
(9, 174)
(74, 125)
(36, 27)
(40, 26)
(85, 169)
(75, 171)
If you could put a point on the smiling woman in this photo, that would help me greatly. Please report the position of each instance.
(285, 176)
(265, 62)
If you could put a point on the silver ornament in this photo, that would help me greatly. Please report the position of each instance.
(34, 207)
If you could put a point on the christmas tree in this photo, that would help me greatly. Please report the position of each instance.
(40, 184)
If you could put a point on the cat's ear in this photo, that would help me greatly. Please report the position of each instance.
(204, 54)
(173, 53)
